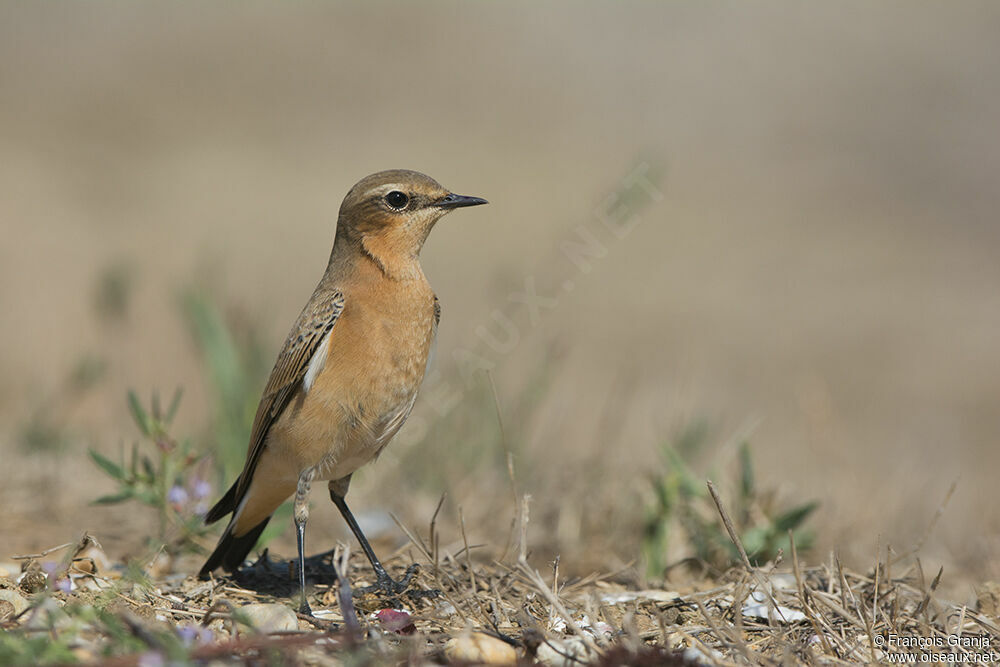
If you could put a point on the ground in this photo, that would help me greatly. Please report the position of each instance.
(73, 604)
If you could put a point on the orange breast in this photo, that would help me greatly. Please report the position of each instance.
(374, 365)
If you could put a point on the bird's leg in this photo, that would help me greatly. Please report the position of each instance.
(383, 581)
(301, 516)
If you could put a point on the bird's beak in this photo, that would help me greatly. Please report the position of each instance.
(458, 201)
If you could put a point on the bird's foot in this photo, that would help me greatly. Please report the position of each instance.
(388, 588)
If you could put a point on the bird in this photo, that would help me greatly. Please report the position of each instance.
(348, 374)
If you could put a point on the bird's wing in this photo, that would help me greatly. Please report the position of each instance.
(292, 371)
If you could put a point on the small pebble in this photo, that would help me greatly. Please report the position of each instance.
(17, 601)
(270, 618)
(480, 648)
(570, 652)
(710, 656)
(618, 597)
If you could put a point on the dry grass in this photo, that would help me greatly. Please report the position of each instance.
(463, 611)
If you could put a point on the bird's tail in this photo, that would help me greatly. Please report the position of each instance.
(231, 551)
(225, 505)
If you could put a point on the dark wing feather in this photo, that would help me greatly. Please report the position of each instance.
(286, 378)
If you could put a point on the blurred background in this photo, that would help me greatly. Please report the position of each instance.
(773, 224)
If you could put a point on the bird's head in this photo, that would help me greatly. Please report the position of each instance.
(392, 212)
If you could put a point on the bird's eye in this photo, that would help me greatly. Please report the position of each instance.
(397, 200)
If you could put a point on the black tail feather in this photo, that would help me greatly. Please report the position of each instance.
(225, 505)
(232, 551)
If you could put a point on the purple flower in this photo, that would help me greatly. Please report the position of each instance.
(177, 496)
(187, 634)
(63, 585)
(201, 489)
(191, 634)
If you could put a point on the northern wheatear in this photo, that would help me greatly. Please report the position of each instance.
(348, 374)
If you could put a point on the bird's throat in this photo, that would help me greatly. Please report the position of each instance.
(394, 256)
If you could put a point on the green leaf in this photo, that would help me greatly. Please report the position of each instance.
(139, 414)
(147, 467)
(791, 519)
(134, 461)
(175, 403)
(151, 498)
(754, 540)
(107, 465)
(688, 482)
(114, 498)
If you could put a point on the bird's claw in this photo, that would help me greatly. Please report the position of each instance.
(388, 586)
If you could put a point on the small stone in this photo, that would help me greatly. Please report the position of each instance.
(570, 652)
(759, 605)
(619, 597)
(17, 601)
(709, 655)
(10, 570)
(269, 618)
(480, 648)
